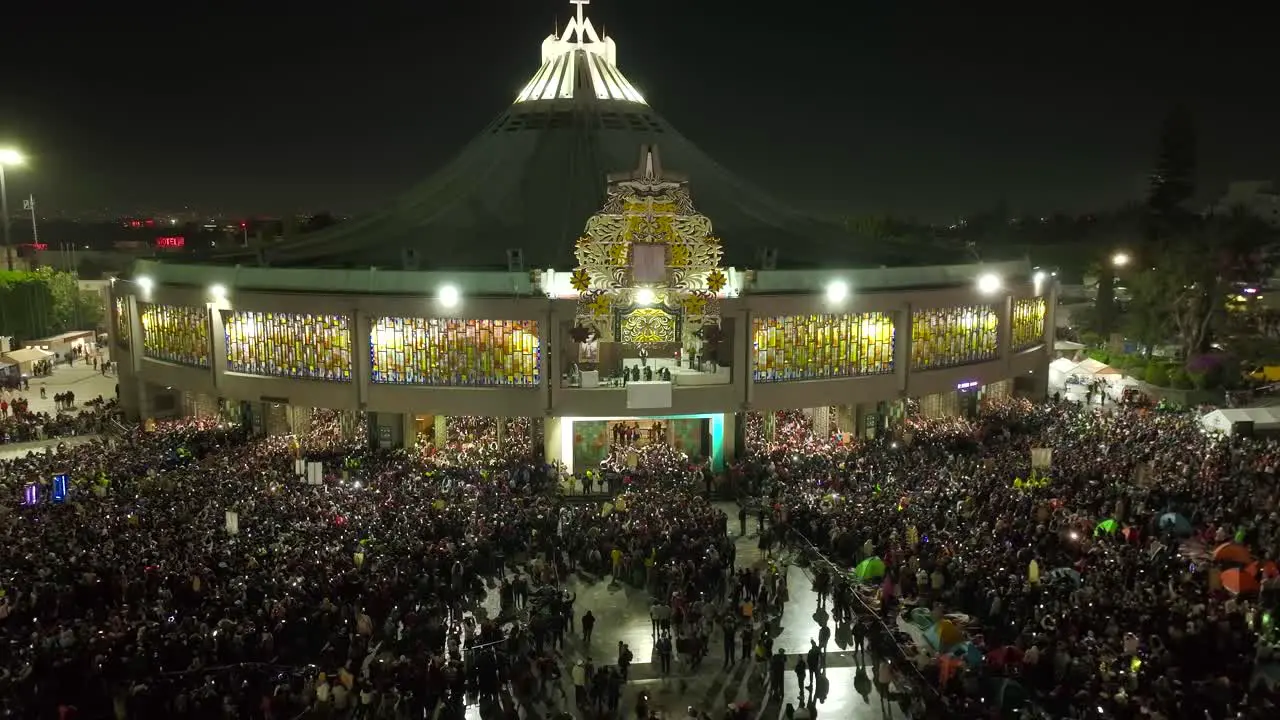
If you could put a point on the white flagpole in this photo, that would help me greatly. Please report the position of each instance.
(35, 232)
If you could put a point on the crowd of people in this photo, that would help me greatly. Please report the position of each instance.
(1087, 589)
(19, 424)
(191, 570)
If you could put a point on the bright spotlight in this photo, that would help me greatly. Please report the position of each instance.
(1120, 259)
(644, 296)
(145, 283)
(218, 292)
(1038, 277)
(11, 157)
(449, 296)
(837, 291)
(989, 283)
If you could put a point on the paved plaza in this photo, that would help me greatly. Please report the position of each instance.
(622, 614)
(80, 379)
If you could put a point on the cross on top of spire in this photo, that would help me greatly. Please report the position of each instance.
(580, 4)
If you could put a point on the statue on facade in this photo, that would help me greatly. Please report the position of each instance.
(635, 373)
(648, 374)
(665, 375)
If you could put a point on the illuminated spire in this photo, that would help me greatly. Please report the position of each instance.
(561, 56)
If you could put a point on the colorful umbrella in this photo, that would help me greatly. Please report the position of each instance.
(1267, 568)
(869, 569)
(1239, 582)
(1233, 553)
(1174, 523)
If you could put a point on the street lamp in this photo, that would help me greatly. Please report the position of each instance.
(12, 158)
(1120, 259)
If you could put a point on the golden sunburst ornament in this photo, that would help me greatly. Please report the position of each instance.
(580, 280)
(716, 281)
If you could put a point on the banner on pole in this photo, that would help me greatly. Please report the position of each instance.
(233, 522)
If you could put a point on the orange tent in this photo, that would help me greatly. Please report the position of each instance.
(1239, 582)
(1269, 569)
(1232, 553)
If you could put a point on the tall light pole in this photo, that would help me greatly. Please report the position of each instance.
(8, 157)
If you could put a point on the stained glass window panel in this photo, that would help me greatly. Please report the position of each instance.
(124, 324)
(175, 333)
(813, 347)
(1028, 323)
(945, 337)
(452, 352)
(290, 345)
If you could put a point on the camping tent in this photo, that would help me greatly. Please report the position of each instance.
(1222, 421)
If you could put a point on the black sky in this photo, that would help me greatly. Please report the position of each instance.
(942, 109)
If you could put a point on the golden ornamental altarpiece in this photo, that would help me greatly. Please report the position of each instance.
(649, 249)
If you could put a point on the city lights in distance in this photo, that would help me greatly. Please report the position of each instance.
(989, 283)
(449, 296)
(837, 291)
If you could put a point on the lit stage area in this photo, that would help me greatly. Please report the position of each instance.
(582, 443)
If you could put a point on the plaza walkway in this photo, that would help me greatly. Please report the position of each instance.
(622, 613)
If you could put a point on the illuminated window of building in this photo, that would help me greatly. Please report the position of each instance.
(175, 333)
(448, 351)
(1028, 323)
(124, 324)
(812, 347)
(290, 345)
(945, 337)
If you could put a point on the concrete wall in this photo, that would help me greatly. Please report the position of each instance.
(549, 399)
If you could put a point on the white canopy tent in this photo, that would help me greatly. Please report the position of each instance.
(1090, 368)
(1263, 419)
(1060, 370)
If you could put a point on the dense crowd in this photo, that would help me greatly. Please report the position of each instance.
(1125, 614)
(193, 571)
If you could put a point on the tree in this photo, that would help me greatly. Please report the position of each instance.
(1206, 261)
(1173, 180)
(1149, 318)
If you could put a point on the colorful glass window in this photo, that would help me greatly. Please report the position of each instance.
(124, 324)
(290, 345)
(945, 337)
(175, 333)
(811, 347)
(449, 351)
(1028, 323)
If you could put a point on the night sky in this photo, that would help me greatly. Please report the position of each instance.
(856, 109)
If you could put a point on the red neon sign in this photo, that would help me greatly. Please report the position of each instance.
(171, 242)
(39, 246)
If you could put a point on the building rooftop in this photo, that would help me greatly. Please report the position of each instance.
(525, 186)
